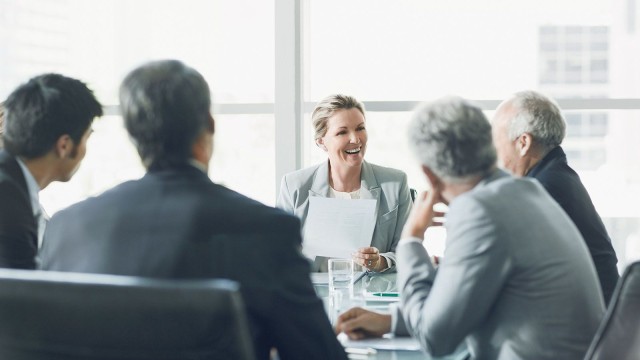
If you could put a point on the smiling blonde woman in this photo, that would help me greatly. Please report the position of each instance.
(340, 130)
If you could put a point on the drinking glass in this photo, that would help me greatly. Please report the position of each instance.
(340, 286)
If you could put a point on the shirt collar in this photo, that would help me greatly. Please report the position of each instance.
(552, 156)
(32, 187)
(198, 165)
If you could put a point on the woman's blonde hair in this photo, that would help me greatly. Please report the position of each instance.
(328, 107)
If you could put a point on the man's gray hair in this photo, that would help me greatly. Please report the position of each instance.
(452, 137)
(539, 116)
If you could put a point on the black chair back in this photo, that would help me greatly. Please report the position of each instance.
(69, 316)
(618, 336)
(414, 194)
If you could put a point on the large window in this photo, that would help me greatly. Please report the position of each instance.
(229, 42)
(392, 53)
(243, 160)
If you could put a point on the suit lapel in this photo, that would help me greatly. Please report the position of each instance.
(369, 188)
(13, 170)
(320, 186)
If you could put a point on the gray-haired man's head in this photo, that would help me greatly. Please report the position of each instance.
(526, 127)
(452, 137)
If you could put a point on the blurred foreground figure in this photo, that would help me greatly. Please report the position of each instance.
(176, 223)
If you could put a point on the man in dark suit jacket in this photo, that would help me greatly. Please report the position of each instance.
(48, 121)
(176, 223)
(528, 131)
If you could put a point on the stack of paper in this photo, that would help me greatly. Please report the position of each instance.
(387, 342)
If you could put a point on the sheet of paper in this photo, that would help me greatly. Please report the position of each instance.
(320, 278)
(388, 342)
(337, 227)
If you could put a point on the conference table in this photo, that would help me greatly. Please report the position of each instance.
(388, 348)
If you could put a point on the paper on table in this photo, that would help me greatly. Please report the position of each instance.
(388, 342)
(337, 227)
(320, 278)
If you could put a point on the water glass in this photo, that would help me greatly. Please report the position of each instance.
(340, 286)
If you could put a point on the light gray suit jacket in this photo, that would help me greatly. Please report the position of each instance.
(387, 186)
(516, 280)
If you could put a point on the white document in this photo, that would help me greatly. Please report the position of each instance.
(388, 342)
(321, 278)
(337, 227)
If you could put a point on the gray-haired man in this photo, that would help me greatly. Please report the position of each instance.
(528, 130)
(511, 292)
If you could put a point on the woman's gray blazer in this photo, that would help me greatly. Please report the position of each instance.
(387, 186)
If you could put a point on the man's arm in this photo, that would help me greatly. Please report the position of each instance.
(359, 323)
(18, 232)
(441, 311)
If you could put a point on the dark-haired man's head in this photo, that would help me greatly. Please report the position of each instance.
(166, 108)
(47, 122)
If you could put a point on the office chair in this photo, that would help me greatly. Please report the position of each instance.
(414, 194)
(70, 316)
(618, 336)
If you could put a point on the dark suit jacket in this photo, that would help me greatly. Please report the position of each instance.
(178, 224)
(565, 187)
(18, 227)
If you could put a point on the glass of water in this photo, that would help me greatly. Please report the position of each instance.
(340, 286)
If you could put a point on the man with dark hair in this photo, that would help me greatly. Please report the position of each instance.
(47, 123)
(176, 223)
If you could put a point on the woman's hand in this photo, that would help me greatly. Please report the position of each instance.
(369, 257)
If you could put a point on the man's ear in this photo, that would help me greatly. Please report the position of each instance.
(320, 143)
(524, 143)
(212, 124)
(64, 146)
(202, 148)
